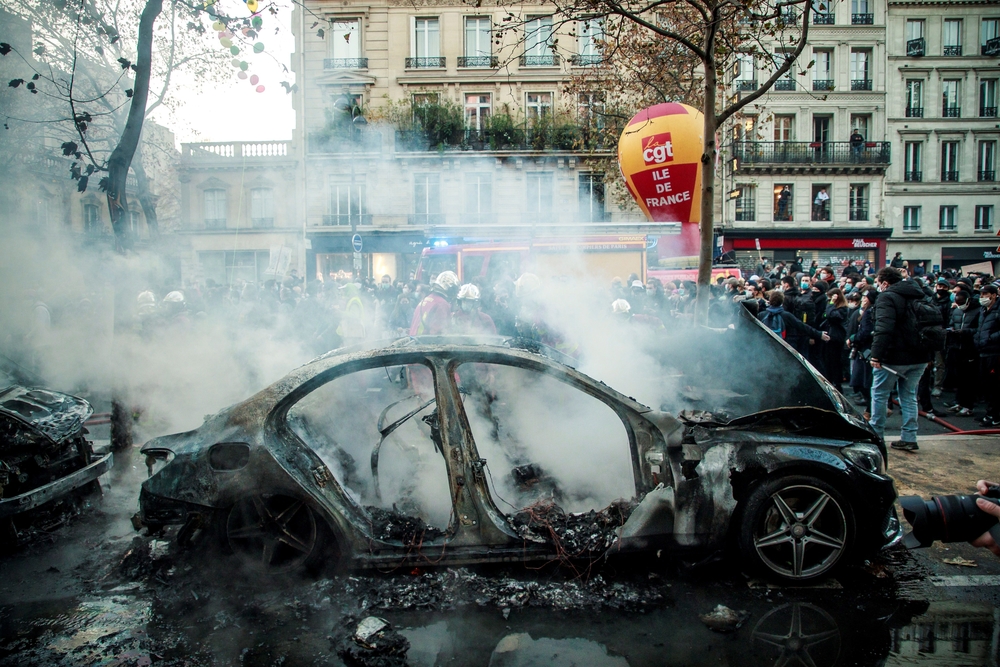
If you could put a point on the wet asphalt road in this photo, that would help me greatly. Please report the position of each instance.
(73, 597)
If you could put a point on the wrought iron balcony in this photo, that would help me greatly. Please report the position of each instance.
(215, 223)
(745, 213)
(479, 62)
(822, 18)
(425, 63)
(991, 47)
(951, 112)
(913, 176)
(989, 175)
(347, 219)
(584, 61)
(262, 223)
(862, 19)
(823, 84)
(788, 17)
(914, 112)
(425, 218)
(987, 112)
(550, 60)
(762, 153)
(745, 85)
(858, 212)
(953, 50)
(861, 84)
(345, 63)
(915, 47)
(784, 84)
(949, 176)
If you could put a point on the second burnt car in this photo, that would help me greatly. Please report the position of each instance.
(448, 451)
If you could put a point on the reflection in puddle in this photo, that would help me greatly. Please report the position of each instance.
(797, 633)
(955, 634)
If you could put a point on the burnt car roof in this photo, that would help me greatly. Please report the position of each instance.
(54, 414)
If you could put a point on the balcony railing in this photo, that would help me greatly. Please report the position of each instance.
(861, 84)
(425, 218)
(949, 176)
(987, 112)
(823, 84)
(426, 63)
(788, 17)
(550, 60)
(806, 152)
(215, 223)
(914, 112)
(989, 175)
(345, 63)
(862, 19)
(584, 61)
(915, 47)
(745, 214)
(820, 213)
(347, 219)
(951, 112)
(858, 212)
(262, 223)
(953, 50)
(517, 137)
(478, 62)
(235, 149)
(913, 176)
(991, 47)
(346, 139)
(784, 84)
(822, 18)
(745, 85)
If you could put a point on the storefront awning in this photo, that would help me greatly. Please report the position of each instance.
(340, 242)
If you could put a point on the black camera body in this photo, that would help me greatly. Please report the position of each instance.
(947, 518)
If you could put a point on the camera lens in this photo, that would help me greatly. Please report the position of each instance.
(944, 518)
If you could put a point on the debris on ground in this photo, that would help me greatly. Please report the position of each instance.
(370, 643)
(389, 525)
(958, 560)
(724, 619)
(145, 558)
(573, 535)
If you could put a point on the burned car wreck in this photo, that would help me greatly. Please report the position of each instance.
(44, 451)
(450, 451)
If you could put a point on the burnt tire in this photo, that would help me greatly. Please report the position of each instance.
(274, 533)
(796, 529)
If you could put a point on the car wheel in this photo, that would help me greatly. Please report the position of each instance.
(273, 532)
(796, 529)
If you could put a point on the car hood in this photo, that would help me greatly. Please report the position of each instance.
(54, 414)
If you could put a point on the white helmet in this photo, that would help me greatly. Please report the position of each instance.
(174, 297)
(527, 283)
(469, 291)
(146, 298)
(620, 306)
(447, 280)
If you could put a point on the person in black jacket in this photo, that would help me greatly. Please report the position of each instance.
(835, 324)
(942, 299)
(987, 340)
(898, 357)
(861, 344)
(788, 322)
(800, 306)
(961, 351)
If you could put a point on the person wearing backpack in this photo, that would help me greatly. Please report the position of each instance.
(987, 340)
(784, 324)
(800, 306)
(899, 354)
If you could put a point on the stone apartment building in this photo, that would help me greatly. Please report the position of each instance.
(943, 73)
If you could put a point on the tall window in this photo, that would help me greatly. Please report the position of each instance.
(861, 12)
(987, 160)
(914, 98)
(990, 37)
(262, 207)
(784, 201)
(746, 203)
(915, 45)
(589, 40)
(478, 37)
(948, 218)
(538, 105)
(478, 196)
(426, 38)
(477, 111)
(988, 98)
(590, 107)
(911, 218)
(858, 204)
(860, 69)
(427, 197)
(215, 208)
(539, 195)
(43, 211)
(984, 218)
(949, 161)
(133, 222)
(950, 90)
(538, 41)
(860, 122)
(92, 219)
(911, 161)
(823, 70)
(951, 37)
(345, 41)
(591, 197)
(348, 204)
(785, 82)
(784, 127)
(744, 73)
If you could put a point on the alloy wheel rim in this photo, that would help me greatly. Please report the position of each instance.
(272, 532)
(802, 533)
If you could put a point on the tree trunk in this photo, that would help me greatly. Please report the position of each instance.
(707, 227)
(146, 198)
(121, 157)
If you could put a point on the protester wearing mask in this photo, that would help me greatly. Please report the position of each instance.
(987, 340)
(799, 306)
(861, 343)
(962, 360)
(834, 323)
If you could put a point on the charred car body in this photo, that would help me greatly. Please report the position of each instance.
(449, 451)
(44, 451)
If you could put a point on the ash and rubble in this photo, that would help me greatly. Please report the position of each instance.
(392, 525)
(371, 643)
(584, 534)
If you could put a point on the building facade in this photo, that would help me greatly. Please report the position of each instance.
(942, 190)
